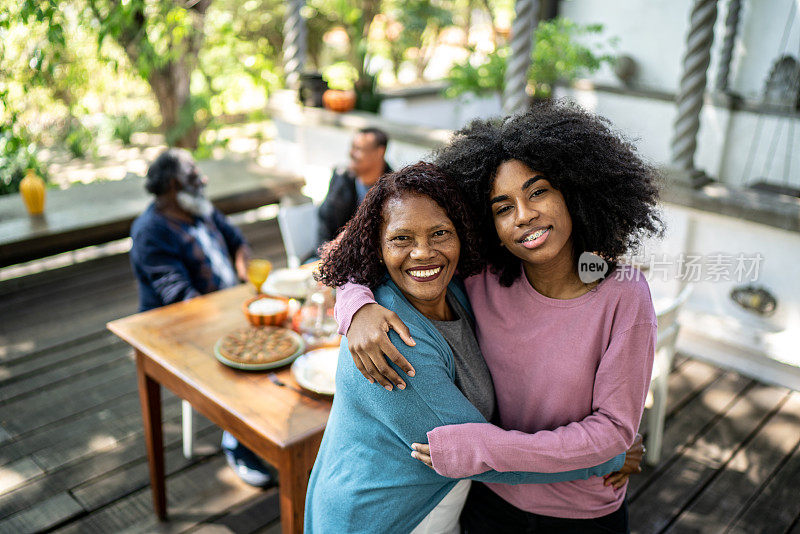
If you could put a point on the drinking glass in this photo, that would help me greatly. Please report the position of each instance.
(257, 272)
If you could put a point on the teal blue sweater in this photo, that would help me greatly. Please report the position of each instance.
(364, 478)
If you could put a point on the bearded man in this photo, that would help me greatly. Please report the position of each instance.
(183, 247)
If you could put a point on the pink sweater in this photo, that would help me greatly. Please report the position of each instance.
(571, 377)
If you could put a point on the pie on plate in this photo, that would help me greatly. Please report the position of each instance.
(259, 347)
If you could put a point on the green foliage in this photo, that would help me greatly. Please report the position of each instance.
(17, 149)
(340, 75)
(209, 141)
(355, 17)
(17, 154)
(421, 22)
(560, 52)
(123, 127)
(478, 75)
(79, 140)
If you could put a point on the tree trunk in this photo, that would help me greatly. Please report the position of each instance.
(170, 86)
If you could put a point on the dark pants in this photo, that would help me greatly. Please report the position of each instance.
(487, 513)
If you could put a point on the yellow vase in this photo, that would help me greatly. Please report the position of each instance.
(32, 190)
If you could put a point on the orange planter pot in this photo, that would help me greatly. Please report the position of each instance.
(340, 101)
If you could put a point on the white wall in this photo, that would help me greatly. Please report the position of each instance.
(728, 143)
(436, 112)
(653, 32)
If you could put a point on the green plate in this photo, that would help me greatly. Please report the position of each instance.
(301, 347)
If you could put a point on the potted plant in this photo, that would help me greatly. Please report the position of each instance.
(341, 78)
(558, 54)
(355, 19)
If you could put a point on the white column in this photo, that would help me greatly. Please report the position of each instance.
(294, 43)
(693, 87)
(514, 97)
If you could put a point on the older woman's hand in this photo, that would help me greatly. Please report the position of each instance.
(422, 452)
(633, 459)
(370, 346)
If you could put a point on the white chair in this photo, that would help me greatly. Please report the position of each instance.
(299, 225)
(668, 327)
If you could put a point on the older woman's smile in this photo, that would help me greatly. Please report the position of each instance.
(426, 273)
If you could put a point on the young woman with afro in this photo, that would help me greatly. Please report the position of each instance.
(570, 350)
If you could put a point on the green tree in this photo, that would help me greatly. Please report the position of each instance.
(162, 40)
(421, 22)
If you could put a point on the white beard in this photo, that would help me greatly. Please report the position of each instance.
(197, 204)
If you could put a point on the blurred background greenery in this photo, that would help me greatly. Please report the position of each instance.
(79, 74)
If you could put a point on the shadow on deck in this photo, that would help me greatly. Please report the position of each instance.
(72, 456)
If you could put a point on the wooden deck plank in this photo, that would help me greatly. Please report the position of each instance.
(63, 289)
(96, 439)
(90, 467)
(48, 513)
(38, 337)
(248, 518)
(663, 500)
(777, 507)
(41, 362)
(696, 383)
(23, 416)
(86, 364)
(97, 299)
(742, 478)
(195, 494)
(15, 474)
(43, 281)
(135, 475)
(72, 430)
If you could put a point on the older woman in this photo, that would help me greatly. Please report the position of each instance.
(570, 354)
(407, 241)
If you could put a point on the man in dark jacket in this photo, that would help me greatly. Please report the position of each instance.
(349, 185)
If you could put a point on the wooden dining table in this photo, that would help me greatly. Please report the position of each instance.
(282, 424)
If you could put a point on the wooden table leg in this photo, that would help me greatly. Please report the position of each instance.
(150, 398)
(294, 473)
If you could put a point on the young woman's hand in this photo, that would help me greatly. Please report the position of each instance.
(632, 465)
(370, 346)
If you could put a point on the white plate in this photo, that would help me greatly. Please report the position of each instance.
(289, 283)
(316, 370)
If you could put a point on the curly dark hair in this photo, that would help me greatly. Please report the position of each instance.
(355, 255)
(610, 192)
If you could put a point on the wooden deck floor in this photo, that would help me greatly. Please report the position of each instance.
(72, 455)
